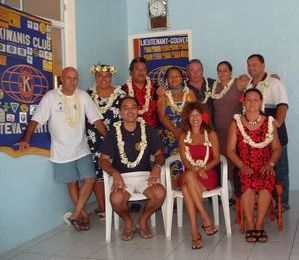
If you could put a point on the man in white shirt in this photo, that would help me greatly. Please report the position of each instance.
(275, 103)
(65, 110)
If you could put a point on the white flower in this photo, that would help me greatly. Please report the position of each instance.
(91, 136)
(173, 105)
(223, 92)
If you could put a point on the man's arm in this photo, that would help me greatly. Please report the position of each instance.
(99, 125)
(281, 114)
(156, 169)
(24, 144)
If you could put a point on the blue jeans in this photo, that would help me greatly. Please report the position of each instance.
(282, 174)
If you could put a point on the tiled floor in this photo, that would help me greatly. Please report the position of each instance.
(63, 243)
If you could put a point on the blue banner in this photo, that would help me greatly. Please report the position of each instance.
(26, 74)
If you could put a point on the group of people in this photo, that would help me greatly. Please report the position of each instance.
(119, 128)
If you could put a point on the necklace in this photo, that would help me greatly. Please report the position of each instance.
(121, 144)
(224, 90)
(173, 105)
(147, 94)
(110, 101)
(247, 139)
(71, 121)
(207, 144)
(254, 122)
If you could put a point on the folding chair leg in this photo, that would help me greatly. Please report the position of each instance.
(109, 213)
(169, 216)
(164, 215)
(179, 204)
(215, 209)
(225, 205)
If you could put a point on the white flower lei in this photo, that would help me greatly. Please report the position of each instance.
(223, 92)
(207, 92)
(111, 99)
(177, 108)
(94, 69)
(121, 144)
(247, 138)
(198, 163)
(71, 121)
(147, 94)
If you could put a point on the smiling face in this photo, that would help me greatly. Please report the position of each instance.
(224, 73)
(174, 78)
(70, 79)
(252, 102)
(139, 73)
(195, 72)
(103, 79)
(129, 110)
(255, 67)
(195, 119)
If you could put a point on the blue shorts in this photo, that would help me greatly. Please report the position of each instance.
(80, 169)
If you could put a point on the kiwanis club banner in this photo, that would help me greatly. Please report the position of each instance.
(162, 50)
(26, 61)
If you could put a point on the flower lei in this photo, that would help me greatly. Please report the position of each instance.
(121, 144)
(110, 101)
(207, 92)
(71, 121)
(223, 92)
(94, 69)
(198, 163)
(147, 94)
(247, 138)
(173, 105)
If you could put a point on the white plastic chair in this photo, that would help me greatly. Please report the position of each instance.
(108, 181)
(222, 191)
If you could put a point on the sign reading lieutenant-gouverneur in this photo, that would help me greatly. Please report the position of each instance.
(26, 62)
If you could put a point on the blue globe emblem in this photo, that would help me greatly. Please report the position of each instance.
(157, 75)
(24, 83)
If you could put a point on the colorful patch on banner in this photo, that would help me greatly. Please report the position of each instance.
(26, 74)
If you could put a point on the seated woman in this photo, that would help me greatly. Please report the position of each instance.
(199, 151)
(169, 109)
(253, 146)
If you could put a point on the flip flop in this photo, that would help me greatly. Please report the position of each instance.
(84, 226)
(127, 237)
(75, 223)
(197, 243)
(209, 227)
(261, 236)
(250, 236)
(144, 234)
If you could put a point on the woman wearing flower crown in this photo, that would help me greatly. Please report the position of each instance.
(106, 98)
(170, 107)
(226, 94)
(253, 146)
(199, 151)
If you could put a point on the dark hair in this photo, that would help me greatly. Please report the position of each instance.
(187, 110)
(125, 98)
(198, 61)
(250, 90)
(224, 62)
(258, 56)
(173, 68)
(136, 60)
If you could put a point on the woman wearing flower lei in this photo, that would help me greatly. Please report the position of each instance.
(226, 94)
(254, 148)
(106, 97)
(170, 107)
(199, 151)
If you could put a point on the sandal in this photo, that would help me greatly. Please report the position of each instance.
(197, 243)
(102, 215)
(261, 236)
(127, 237)
(75, 223)
(250, 236)
(144, 233)
(84, 226)
(210, 230)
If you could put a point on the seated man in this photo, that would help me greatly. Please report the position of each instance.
(127, 149)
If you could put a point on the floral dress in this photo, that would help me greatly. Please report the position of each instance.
(255, 158)
(94, 138)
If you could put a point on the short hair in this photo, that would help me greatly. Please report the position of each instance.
(136, 60)
(125, 98)
(198, 61)
(250, 90)
(187, 110)
(224, 62)
(258, 56)
(173, 68)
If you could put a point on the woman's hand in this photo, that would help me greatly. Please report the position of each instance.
(268, 169)
(246, 170)
(201, 171)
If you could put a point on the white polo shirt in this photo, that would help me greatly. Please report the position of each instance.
(68, 143)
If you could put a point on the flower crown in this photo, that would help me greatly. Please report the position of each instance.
(103, 68)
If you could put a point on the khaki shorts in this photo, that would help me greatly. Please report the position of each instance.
(136, 184)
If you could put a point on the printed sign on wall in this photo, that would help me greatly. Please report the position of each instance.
(26, 65)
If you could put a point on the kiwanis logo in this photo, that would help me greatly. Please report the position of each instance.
(24, 83)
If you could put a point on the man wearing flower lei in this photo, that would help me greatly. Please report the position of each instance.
(275, 103)
(253, 146)
(126, 150)
(142, 88)
(65, 110)
(106, 98)
(199, 151)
